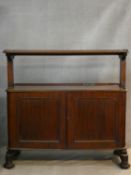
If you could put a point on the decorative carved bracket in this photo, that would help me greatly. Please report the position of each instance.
(10, 57)
(122, 56)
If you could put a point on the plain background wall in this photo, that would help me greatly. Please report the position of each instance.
(64, 24)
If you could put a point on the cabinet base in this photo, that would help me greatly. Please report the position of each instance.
(12, 154)
(122, 153)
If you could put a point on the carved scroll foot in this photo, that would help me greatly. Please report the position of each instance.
(122, 153)
(10, 155)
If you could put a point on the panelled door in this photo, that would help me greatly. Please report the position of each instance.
(36, 119)
(96, 119)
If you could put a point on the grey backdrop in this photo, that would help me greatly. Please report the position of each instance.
(64, 24)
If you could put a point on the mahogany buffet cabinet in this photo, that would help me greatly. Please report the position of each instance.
(66, 115)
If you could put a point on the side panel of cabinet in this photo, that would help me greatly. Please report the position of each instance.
(96, 120)
(36, 120)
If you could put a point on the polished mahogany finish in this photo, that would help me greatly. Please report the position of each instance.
(39, 120)
(96, 119)
(66, 115)
(66, 52)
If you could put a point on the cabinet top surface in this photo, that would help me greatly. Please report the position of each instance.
(66, 52)
(29, 88)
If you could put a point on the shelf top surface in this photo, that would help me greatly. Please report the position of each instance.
(39, 88)
(65, 52)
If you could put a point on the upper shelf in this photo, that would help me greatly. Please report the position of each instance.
(65, 52)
